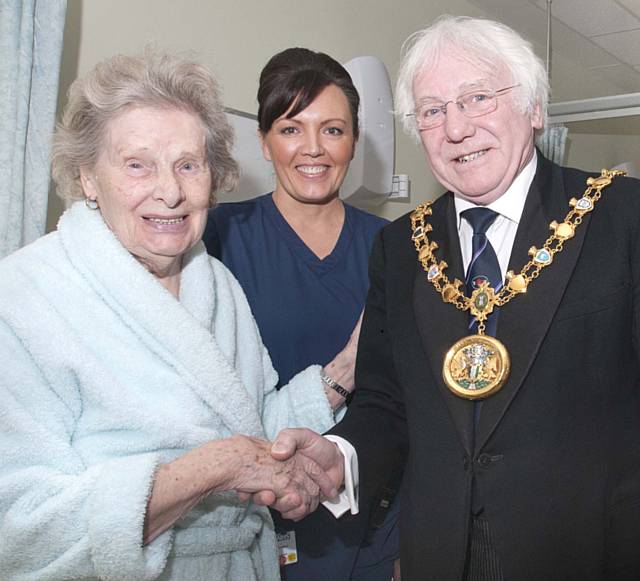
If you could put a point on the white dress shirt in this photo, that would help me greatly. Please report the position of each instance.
(502, 232)
(501, 235)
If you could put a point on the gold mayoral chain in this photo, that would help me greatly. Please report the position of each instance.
(477, 366)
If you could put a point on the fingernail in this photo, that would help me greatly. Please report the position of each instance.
(277, 447)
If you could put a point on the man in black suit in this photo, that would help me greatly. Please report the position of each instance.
(513, 403)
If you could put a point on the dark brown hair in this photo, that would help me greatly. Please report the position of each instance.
(293, 78)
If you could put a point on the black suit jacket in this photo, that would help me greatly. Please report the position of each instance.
(556, 461)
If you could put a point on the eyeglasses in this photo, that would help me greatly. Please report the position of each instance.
(430, 114)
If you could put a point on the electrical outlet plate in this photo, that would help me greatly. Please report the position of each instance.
(400, 187)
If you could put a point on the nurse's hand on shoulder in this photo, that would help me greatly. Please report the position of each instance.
(342, 368)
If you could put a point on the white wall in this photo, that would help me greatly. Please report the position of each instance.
(236, 38)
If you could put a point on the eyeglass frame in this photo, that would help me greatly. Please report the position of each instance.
(443, 108)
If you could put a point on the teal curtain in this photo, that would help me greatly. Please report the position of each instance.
(30, 53)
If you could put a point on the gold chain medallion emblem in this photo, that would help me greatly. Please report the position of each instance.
(477, 366)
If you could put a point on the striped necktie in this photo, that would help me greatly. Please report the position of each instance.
(484, 265)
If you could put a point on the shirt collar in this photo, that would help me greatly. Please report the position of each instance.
(511, 203)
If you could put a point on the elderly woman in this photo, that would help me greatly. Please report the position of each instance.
(135, 391)
(301, 256)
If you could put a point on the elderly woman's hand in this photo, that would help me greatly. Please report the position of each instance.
(298, 478)
(306, 446)
(239, 463)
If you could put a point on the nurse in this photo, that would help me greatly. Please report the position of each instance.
(301, 255)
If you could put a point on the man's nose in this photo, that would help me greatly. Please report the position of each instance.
(457, 125)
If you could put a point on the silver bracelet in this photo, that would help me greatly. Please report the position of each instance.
(333, 384)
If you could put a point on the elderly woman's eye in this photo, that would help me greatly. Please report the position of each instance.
(134, 165)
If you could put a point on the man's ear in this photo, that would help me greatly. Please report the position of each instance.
(536, 117)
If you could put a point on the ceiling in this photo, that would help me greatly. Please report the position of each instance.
(602, 36)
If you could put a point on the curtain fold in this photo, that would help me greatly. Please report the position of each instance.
(31, 34)
(552, 142)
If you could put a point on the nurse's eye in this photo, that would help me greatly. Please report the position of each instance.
(289, 130)
(334, 131)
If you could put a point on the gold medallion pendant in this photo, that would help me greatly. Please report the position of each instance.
(476, 367)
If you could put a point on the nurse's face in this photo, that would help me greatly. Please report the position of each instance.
(311, 152)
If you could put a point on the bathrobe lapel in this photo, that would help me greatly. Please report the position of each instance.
(178, 332)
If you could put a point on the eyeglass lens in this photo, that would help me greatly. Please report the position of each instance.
(473, 104)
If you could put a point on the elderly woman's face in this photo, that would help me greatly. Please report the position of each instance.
(152, 183)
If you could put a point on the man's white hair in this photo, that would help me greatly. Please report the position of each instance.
(490, 45)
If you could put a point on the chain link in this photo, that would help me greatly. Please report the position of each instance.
(541, 258)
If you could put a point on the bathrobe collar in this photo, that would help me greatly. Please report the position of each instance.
(179, 332)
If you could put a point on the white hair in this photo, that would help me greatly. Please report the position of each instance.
(150, 80)
(490, 45)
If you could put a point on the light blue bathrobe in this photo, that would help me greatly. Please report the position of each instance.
(104, 375)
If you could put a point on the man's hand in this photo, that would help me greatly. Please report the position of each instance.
(313, 452)
(294, 481)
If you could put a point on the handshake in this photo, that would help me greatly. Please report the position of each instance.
(293, 474)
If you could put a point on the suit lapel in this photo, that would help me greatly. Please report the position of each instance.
(523, 322)
(441, 324)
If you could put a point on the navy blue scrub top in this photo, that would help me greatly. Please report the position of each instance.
(305, 307)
